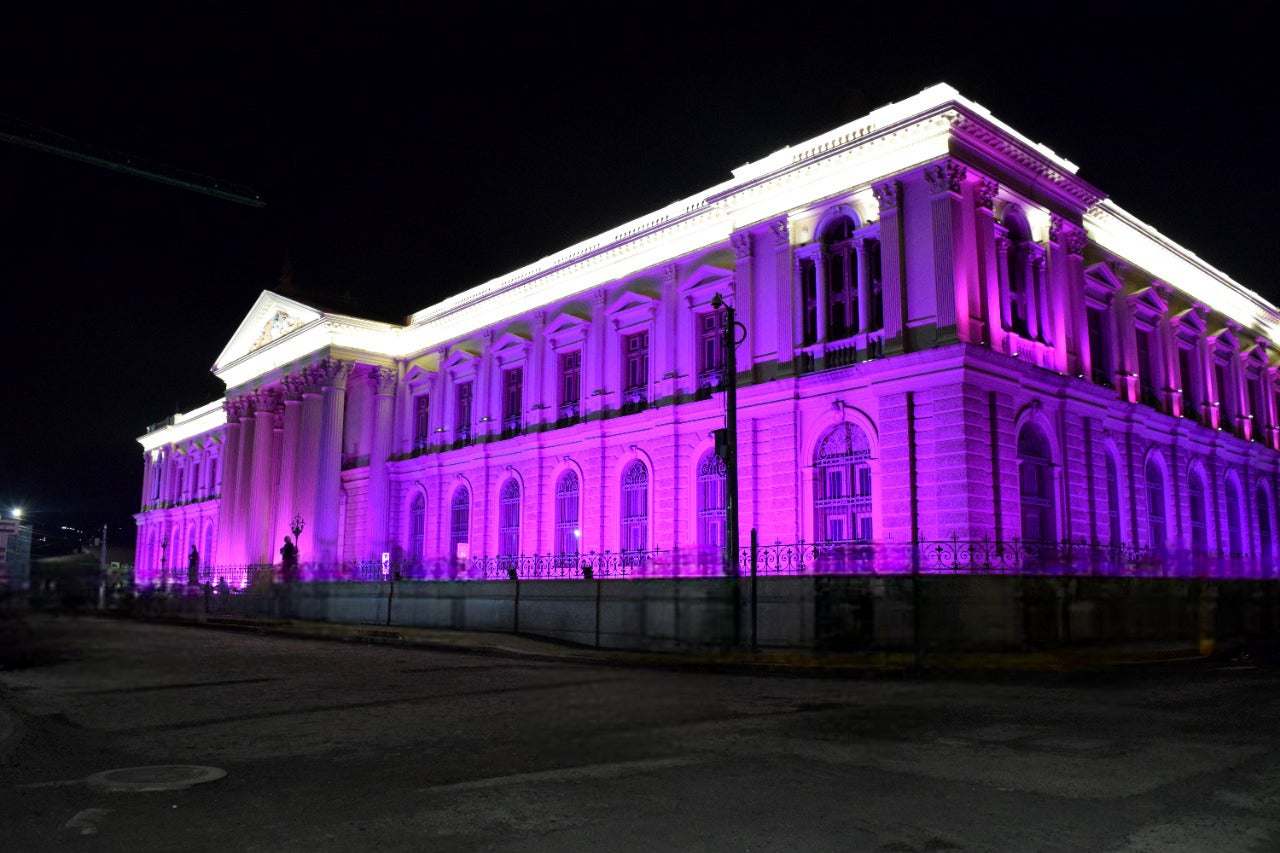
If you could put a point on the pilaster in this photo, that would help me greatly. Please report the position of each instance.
(892, 278)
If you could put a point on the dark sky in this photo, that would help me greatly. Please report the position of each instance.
(407, 156)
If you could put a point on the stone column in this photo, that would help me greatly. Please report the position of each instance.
(784, 286)
(291, 425)
(593, 358)
(332, 374)
(383, 382)
(227, 502)
(307, 462)
(534, 374)
(665, 342)
(863, 284)
(1029, 291)
(995, 300)
(820, 295)
(744, 288)
(946, 183)
(262, 481)
(892, 279)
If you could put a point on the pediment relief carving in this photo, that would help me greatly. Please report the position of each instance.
(280, 324)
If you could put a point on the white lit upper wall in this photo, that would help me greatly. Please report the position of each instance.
(185, 426)
(889, 140)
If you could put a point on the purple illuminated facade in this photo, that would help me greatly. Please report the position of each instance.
(949, 337)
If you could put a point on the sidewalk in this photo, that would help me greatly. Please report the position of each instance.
(796, 661)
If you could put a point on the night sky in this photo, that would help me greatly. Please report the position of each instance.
(406, 157)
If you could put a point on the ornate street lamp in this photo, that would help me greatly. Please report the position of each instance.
(164, 568)
(296, 526)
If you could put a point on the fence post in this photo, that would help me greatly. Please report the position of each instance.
(597, 613)
(515, 619)
(755, 637)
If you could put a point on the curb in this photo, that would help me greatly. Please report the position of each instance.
(801, 663)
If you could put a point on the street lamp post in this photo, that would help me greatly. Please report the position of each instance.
(164, 567)
(727, 439)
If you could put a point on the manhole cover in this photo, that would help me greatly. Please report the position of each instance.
(160, 777)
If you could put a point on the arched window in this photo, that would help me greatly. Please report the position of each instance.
(1035, 485)
(1235, 541)
(840, 265)
(206, 556)
(1156, 528)
(568, 532)
(417, 527)
(1021, 266)
(842, 492)
(1199, 517)
(459, 520)
(1113, 501)
(635, 507)
(509, 519)
(1266, 536)
(711, 501)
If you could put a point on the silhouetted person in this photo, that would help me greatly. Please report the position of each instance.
(289, 559)
(193, 567)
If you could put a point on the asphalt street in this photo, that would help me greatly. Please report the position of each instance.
(341, 746)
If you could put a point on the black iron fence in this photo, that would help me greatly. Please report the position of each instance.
(949, 556)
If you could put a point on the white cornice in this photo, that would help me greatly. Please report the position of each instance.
(186, 425)
(889, 141)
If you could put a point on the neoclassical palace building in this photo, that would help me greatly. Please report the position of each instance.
(946, 333)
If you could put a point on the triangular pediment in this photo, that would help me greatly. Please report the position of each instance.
(271, 318)
(1226, 340)
(1190, 323)
(1149, 300)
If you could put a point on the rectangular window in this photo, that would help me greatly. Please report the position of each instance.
(1226, 402)
(635, 379)
(1147, 374)
(1190, 399)
(1099, 345)
(1257, 407)
(711, 348)
(421, 421)
(570, 384)
(462, 412)
(512, 399)
(809, 301)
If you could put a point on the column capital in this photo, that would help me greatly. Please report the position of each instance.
(1076, 241)
(781, 230)
(986, 192)
(946, 177)
(265, 401)
(331, 373)
(382, 380)
(887, 196)
(741, 242)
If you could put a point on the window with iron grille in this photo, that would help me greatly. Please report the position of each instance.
(462, 412)
(1235, 541)
(635, 378)
(843, 489)
(568, 532)
(570, 384)
(1266, 539)
(1155, 505)
(421, 421)
(1113, 501)
(512, 399)
(509, 519)
(1199, 520)
(417, 527)
(711, 501)
(1035, 485)
(711, 348)
(459, 520)
(635, 507)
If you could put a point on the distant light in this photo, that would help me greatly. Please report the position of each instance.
(577, 534)
(17, 512)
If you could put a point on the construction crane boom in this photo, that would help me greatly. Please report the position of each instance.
(32, 136)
